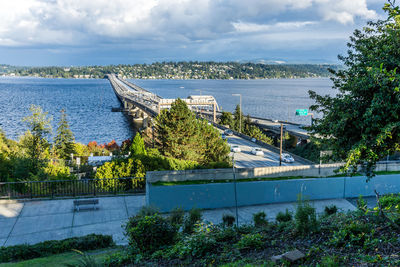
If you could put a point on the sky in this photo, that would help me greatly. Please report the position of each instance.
(103, 32)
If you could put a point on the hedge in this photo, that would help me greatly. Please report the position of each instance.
(83, 243)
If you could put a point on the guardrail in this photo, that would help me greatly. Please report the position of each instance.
(72, 188)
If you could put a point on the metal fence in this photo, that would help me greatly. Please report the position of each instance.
(72, 188)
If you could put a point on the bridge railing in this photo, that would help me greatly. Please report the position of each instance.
(72, 188)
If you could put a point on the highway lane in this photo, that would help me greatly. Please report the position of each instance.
(245, 159)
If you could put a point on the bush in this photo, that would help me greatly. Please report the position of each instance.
(147, 211)
(25, 252)
(228, 234)
(193, 218)
(250, 241)
(306, 218)
(330, 210)
(260, 219)
(198, 244)
(149, 233)
(284, 217)
(176, 216)
(228, 220)
(354, 235)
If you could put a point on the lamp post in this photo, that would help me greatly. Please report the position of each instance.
(234, 184)
(240, 114)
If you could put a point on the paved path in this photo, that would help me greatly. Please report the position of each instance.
(36, 221)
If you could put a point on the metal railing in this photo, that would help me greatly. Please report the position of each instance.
(72, 188)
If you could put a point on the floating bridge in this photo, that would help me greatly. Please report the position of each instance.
(142, 104)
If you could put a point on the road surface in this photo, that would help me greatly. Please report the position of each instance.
(245, 159)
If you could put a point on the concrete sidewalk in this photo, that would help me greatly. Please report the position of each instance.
(36, 221)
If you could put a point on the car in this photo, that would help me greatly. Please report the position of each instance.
(223, 136)
(275, 121)
(235, 148)
(287, 158)
(228, 132)
(253, 140)
(257, 151)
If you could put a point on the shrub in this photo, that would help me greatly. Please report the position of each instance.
(354, 235)
(305, 218)
(250, 241)
(228, 220)
(198, 244)
(330, 210)
(260, 219)
(361, 204)
(149, 233)
(25, 252)
(390, 202)
(147, 211)
(118, 259)
(176, 216)
(228, 234)
(284, 217)
(193, 218)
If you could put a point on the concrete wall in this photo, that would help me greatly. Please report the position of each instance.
(220, 195)
(246, 173)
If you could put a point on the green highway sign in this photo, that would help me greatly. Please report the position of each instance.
(301, 112)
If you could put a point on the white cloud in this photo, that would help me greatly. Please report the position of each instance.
(89, 22)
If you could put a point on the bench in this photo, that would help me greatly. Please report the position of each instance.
(93, 203)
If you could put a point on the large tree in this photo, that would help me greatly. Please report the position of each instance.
(35, 140)
(361, 123)
(64, 140)
(180, 135)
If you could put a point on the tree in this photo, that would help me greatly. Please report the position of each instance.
(226, 119)
(180, 135)
(361, 123)
(64, 140)
(35, 141)
(238, 122)
(137, 147)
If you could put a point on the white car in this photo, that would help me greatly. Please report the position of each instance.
(228, 132)
(257, 151)
(287, 158)
(235, 148)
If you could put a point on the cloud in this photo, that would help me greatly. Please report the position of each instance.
(253, 27)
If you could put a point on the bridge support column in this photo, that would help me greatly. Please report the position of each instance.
(214, 113)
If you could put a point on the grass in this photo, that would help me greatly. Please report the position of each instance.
(61, 259)
(194, 182)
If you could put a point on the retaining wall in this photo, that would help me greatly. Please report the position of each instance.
(246, 173)
(220, 195)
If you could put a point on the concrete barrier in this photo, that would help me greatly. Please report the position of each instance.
(221, 195)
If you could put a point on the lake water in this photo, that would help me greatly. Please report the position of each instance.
(88, 102)
(273, 99)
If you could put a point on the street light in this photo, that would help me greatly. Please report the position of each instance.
(240, 114)
(234, 183)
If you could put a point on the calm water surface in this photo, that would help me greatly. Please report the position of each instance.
(88, 102)
(272, 99)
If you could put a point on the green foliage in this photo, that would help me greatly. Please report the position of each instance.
(260, 219)
(64, 140)
(238, 120)
(181, 70)
(226, 119)
(330, 210)
(251, 241)
(196, 245)
(150, 233)
(305, 217)
(180, 135)
(228, 220)
(390, 202)
(354, 235)
(85, 261)
(122, 258)
(193, 218)
(284, 217)
(361, 203)
(84, 243)
(137, 147)
(35, 140)
(177, 216)
(361, 123)
(148, 211)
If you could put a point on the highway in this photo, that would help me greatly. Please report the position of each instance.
(245, 159)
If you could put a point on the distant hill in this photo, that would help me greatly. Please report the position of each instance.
(181, 70)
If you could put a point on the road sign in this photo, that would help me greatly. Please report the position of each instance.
(301, 112)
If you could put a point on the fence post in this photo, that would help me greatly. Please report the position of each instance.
(9, 191)
(52, 190)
